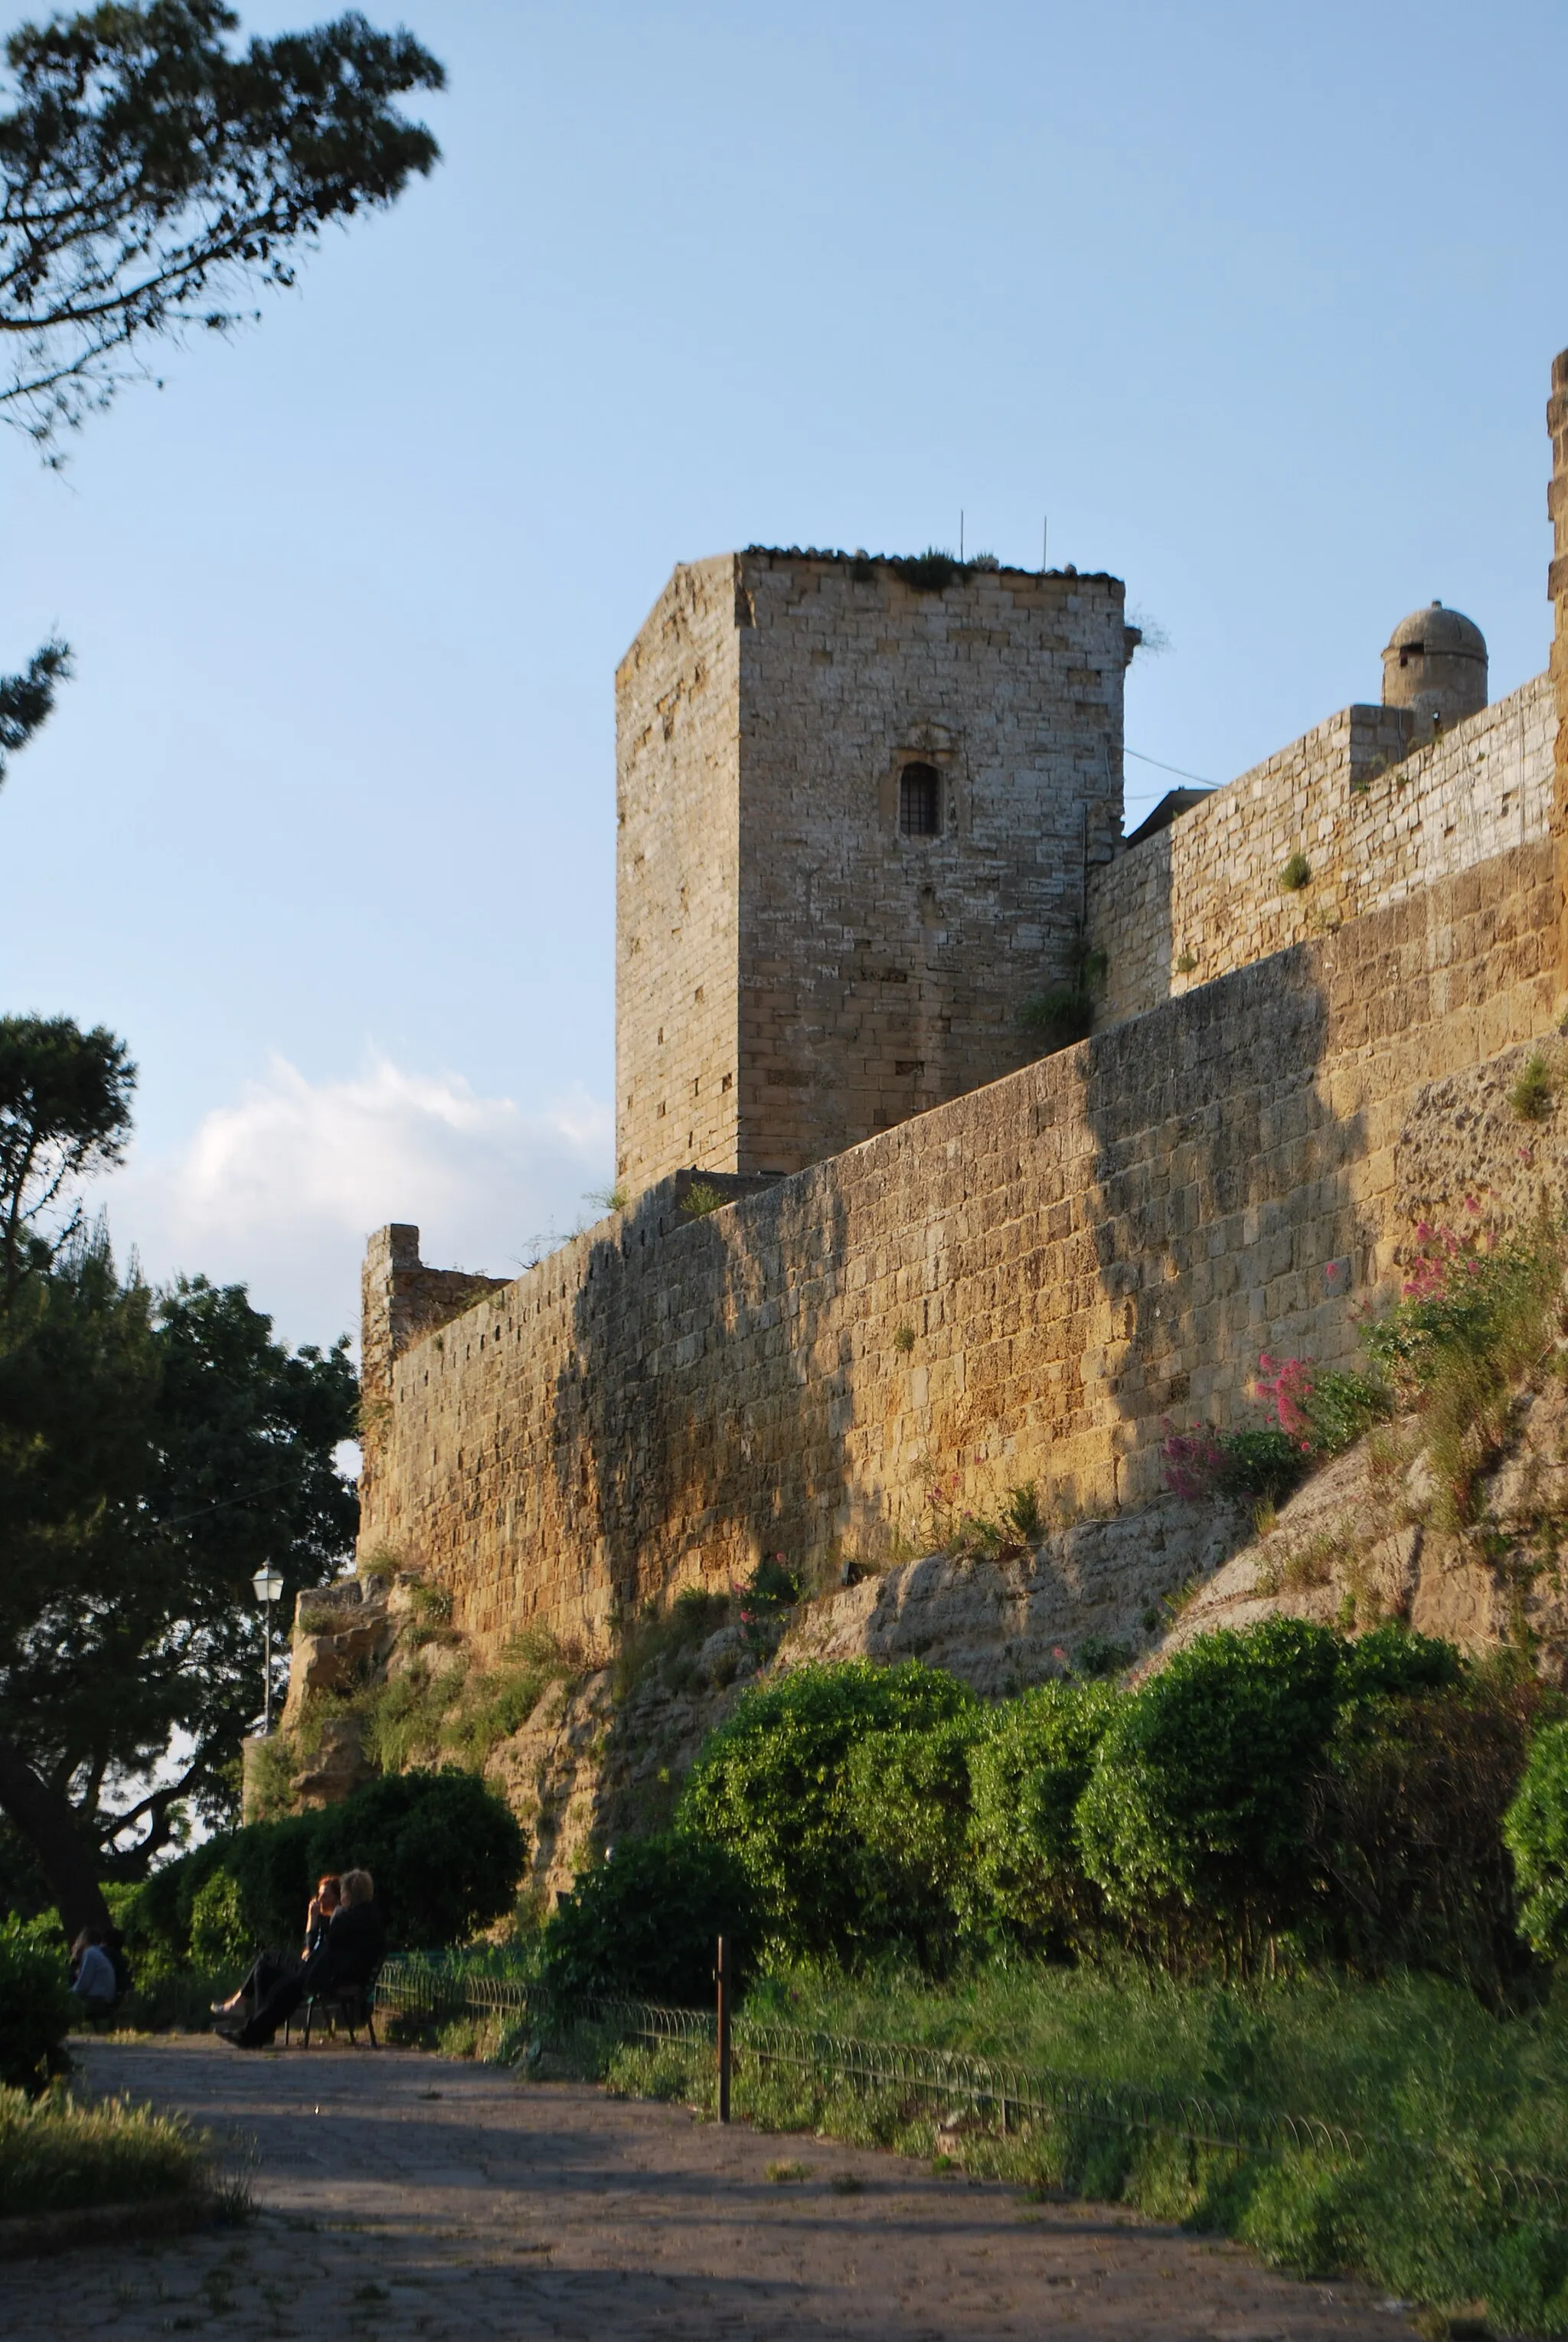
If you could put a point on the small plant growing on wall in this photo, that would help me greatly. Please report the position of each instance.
(1057, 1018)
(701, 1198)
(1186, 964)
(1296, 874)
(1531, 1095)
(903, 1340)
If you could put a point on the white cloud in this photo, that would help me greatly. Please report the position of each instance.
(280, 1190)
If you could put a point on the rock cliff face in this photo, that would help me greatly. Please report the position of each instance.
(1363, 1542)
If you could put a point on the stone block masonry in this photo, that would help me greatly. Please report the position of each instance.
(1372, 823)
(1557, 591)
(800, 960)
(1027, 1282)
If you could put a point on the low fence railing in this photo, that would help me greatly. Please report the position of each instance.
(1006, 2092)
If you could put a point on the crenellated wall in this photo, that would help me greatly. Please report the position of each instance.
(1373, 823)
(1027, 1282)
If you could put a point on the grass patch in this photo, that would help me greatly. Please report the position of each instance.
(1432, 2088)
(1531, 1095)
(59, 2156)
(1295, 874)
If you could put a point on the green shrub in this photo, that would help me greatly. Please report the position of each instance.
(771, 1786)
(445, 1853)
(931, 572)
(1026, 1882)
(1531, 1095)
(908, 1801)
(1295, 874)
(1406, 1821)
(1535, 1831)
(1193, 1819)
(645, 1923)
(219, 1936)
(1057, 1018)
(35, 2007)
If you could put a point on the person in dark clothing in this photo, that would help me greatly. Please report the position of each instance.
(268, 1969)
(352, 1950)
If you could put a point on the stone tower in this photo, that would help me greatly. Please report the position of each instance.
(857, 804)
(1557, 593)
(1435, 665)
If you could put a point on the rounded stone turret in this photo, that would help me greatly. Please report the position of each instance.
(1436, 664)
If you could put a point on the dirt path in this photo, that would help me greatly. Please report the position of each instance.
(401, 2196)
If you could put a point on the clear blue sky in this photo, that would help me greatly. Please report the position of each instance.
(1258, 305)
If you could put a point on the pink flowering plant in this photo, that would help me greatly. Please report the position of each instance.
(1310, 1414)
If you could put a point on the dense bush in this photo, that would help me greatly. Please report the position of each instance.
(1284, 1781)
(773, 1786)
(35, 2008)
(1194, 1820)
(646, 1923)
(908, 1802)
(1537, 1833)
(446, 1856)
(1024, 1879)
(1405, 1829)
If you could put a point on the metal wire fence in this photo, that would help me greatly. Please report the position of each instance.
(1000, 2094)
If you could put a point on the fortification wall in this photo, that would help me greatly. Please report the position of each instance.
(1026, 1282)
(678, 884)
(1557, 594)
(1204, 896)
(882, 972)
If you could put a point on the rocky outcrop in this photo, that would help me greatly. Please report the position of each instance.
(1365, 1540)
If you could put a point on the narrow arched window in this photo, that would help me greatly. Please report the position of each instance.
(920, 801)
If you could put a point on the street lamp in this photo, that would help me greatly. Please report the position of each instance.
(268, 1585)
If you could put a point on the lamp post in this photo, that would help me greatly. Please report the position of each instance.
(268, 1585)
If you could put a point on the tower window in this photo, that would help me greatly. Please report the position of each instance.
(920, 801)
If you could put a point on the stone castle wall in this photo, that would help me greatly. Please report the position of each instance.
(763, 717)
(1557, 593)
(678, 881)
(1027, 1282)
(1373, 823)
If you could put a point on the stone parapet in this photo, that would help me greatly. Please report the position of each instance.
(1557, 591)
(1370, 821)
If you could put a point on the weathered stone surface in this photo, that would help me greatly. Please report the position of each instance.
(794, 971)
(343, 1634)
(1375, 821)
(338, 1765)
(1466, 1154)
(1362, 1542)
(1002, 1625)
(1029, 1282)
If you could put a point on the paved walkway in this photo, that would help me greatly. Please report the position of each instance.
(401, 2196)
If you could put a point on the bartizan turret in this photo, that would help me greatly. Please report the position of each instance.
(1435, 665)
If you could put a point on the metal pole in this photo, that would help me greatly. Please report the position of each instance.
(267, 1679)
(724, 1982)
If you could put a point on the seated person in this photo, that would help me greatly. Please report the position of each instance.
(93, 1979)
(269, 1968)
(350, 1953)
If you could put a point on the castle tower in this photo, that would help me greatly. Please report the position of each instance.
(1557, 591)
(1435, 665)
(857, 802)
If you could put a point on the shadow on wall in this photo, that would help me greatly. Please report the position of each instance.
(663, 1458)
(1228, 1220)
